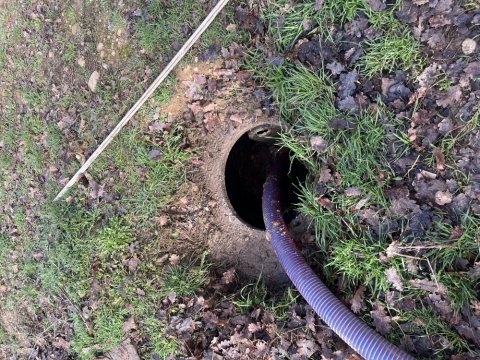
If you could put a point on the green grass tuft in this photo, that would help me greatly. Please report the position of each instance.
(425, 323)
(176, 22)
(449, 250)
(184, 279)
(286, 21)
(339, 11)
(392, 52)
(160, 344)
(257, 294)
(115, 237)
(252, 295)
(460, 288)
(358, 261)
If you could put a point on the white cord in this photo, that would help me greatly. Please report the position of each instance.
(171, 65)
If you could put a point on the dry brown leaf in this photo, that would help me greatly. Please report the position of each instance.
(228, 276)
(162, 220)
(443, 197)
(377, 5)
(325, 175)
(451, 96)
(129, 325)
(357, 300)
(124, 351)
(392, 249)
(325, 202)
(253, 328)
(381, 320)
(440, 158)
(318, 4)
(353, 191)
(318, 144)
(394, 277)
(428, 285)
(174, 259)
(307, 347)
(93, 80)
(61, 343)
(457, 231)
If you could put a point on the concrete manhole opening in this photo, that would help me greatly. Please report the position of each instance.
(238, 167)
(246, 169)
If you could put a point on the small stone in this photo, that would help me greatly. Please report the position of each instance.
(99, 46)
(38, 256)
(81, 62)
(140, 292)
(318, 143)
(155, 154)
(74, 29)
(93, 80)
(469, 46)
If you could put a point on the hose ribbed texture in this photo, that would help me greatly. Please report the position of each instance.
(358, 335)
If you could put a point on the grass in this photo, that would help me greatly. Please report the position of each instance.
(450, 141)
(472, 5)
(305, 98)
(252, 295)
(358, 261)
(84, 242)
(157, 31)
(328, 224)
(339, 12)
(461, 288)
(395, 49)
(184, 279)
(391, 52)
(257, 294)
(359, 156)
(160, 344)
(286, 21)
(448, 250)
(164, 177)
(88, 238)
(424, 322)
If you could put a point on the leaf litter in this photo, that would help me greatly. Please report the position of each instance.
(210, 326)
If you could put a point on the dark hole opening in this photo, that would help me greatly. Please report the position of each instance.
(246, 170)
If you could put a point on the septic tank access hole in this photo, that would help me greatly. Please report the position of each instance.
(246, 170)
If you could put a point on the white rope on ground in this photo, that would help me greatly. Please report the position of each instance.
(171, 65)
